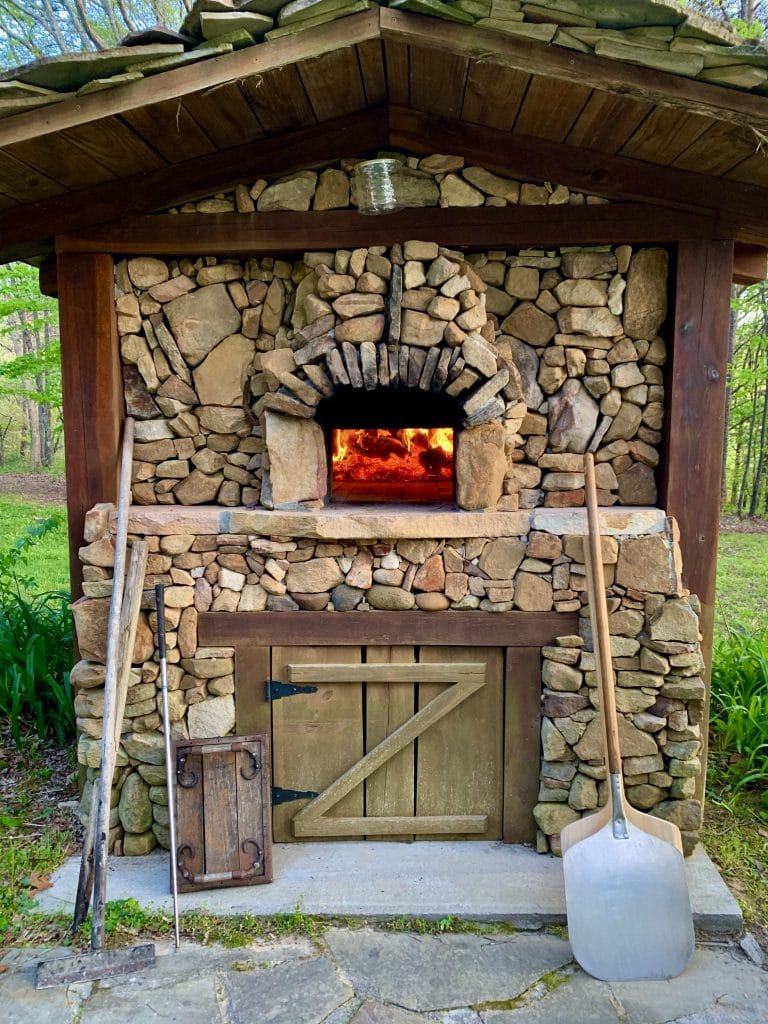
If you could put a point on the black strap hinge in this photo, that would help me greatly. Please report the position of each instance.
(285, 796)
(274, 689)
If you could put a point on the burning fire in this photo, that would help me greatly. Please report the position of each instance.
(384, 456)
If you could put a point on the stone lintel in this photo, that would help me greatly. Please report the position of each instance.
(386, 523)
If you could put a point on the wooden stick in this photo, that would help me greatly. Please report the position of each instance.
(87, 866)
(599, 613)
(108, 751)
(129, 620)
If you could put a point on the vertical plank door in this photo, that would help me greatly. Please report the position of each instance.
(389, 791)
(316, 736)
(460, 758)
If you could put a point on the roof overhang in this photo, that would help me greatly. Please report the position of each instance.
(378, 79)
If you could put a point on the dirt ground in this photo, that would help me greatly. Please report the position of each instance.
(49, 490)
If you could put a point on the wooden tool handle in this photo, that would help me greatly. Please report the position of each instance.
(598, 609)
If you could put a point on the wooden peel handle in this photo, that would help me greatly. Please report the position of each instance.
(598, 609)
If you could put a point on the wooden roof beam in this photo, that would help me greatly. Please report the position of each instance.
(734, 209)
(22, 228)
(253, 233)
(657, 87)
(750, 263)
(206, 74)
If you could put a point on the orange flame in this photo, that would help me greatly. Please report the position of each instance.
(411, 454)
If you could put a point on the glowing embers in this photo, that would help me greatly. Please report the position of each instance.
(411, 464)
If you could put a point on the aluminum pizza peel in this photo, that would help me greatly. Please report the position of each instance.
(626, 890)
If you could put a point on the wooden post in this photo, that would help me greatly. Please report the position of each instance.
(92, 389)
(695, 417)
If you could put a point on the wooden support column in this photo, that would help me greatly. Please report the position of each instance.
(695, 416)
(92, 390)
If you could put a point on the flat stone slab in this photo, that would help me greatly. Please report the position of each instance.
(400, 968)
(387, 522)
(481, 881)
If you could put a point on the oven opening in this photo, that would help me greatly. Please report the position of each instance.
(411, 464)
(390, 445)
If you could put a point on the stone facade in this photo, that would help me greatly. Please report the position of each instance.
(538, 567)
(546, 355)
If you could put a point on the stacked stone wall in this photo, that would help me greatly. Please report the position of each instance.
(547, 354)
(654, 626)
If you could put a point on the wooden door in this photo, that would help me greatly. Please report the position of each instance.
(397, 742)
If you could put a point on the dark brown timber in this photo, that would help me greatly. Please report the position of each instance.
(92, 389)
(459, 629)
(696, 409)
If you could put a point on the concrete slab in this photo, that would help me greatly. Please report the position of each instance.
(477, 881)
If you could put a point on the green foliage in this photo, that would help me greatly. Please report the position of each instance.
(35, 645)
(22, 304)
(739, 710)
(46, 562)
(742, 569)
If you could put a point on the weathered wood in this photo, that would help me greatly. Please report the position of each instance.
(279, 101)
(322, 672)
(696, 382)
(22, 228)
(743, 205)
(436, 825)
(461, 686)
(110, 737)
(66, 163)
(459, 629)
(550, 108)
(607, 121)
(389, 791)
(522, 742)
(333, 84)
(198, 77)
(223, 804)
(316, 736)
(190, 825)
(47, 280)
(437, 82)
(611, 76)
(664, 135)
(129, 620)
(253, 714)
(460, 759)
(220, 802)
(91, 380)
(224, 115)
(493, 102)
(750, 263)
(227, 233)
(370, 54)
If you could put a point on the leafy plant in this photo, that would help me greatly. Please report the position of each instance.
(35, 646)
(739, 711)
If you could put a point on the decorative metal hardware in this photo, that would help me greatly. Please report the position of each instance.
(274, 689)
(285, 796)
(186, 850)
(185, 777)
(252, 771)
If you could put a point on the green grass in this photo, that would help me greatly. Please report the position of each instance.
(48, 560)
(742, 581)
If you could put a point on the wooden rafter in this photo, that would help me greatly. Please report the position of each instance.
(657, 87)
(208, 74)
(743, 206)
(22, 227)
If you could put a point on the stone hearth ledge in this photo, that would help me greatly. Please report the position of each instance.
(376, 522)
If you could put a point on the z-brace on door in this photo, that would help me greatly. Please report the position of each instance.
(396, 742)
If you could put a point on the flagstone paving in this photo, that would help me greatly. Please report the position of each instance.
(370, 976)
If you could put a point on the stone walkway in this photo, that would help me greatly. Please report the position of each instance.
(368, 976)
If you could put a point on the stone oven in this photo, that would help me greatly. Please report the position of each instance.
(457, 389)
(359, 445)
